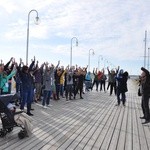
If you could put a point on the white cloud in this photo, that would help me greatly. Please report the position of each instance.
(8, 6)
(113, 29)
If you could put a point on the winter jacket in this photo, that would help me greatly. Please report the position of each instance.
(122, 83)
(88, 77)
(4, 81)
(48, 80)
(146, 85)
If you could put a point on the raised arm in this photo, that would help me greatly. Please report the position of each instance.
(32, 64)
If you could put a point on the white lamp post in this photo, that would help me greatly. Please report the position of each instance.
(89, 58)
(36, 22)
(71, 49)
(105, 63)
(100, 56)
(148, 58)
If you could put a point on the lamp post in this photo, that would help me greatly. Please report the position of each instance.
(145, 40)
(105, 62)
(71, 49)
(99, 60)
(148, 58)
(36, 21)
(89, 58)
(110, 64)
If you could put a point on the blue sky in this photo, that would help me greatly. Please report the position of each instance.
(114, 29)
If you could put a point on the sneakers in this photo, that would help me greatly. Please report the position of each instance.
(49, 105)
(44, 107)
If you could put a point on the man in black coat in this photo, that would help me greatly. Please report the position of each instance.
(145, 83)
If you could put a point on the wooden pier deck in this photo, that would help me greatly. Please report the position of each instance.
(92, 123)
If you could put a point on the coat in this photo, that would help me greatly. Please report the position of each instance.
(4, 81)
(146, 85)
(122, 83)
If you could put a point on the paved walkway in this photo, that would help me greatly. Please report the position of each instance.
(90, 124)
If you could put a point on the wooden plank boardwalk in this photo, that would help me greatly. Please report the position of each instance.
(92, 123)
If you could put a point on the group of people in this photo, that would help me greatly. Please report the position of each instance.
(49, 81)
(117, 82)
(46, 81)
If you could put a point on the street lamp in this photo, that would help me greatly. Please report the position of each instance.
(105, 62)
(110, 64)
(148, 58)
(71, 49)
(100, 56)
(89, 57)
(36, 22)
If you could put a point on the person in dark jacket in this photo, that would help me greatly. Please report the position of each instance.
(27, 86)
(122, 78)
(145, 83)
(103, 81)
(95, 81)
(80, 75)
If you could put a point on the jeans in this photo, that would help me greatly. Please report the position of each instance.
(102, 85)
(61, 90)
(27, 98)
(87, 85)
(57, 90)
(95, 81)
(112, 87)
(69, 90)
(123, 97)
(46, 97)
